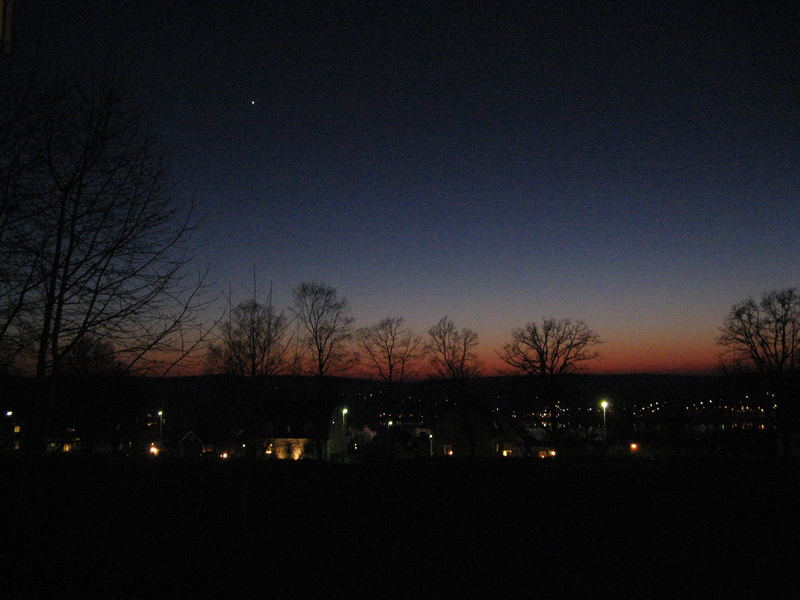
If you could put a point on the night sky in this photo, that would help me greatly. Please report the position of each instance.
(633, 167)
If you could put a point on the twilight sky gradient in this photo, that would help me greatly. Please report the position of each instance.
(636, 167)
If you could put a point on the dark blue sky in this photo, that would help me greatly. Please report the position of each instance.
(634, 166)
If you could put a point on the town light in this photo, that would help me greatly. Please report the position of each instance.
(604, 405)
(9, 413)
(634, 447)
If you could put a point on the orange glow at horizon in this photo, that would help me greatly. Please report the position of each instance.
(649, 354)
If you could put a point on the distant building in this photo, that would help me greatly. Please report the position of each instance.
(470, 432)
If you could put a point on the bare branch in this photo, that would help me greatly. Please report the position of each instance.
(451, 351)
(552, 348)
(392, 349)
(327, 327)
(764, 335)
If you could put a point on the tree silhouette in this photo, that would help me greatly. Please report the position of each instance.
(451, 351)
(553, 348)
(549, 351)
(764, 335)
(252, 342)
(391, 349)
(327, 327)
(92, 242)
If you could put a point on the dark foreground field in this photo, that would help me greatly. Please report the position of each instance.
(532, 529)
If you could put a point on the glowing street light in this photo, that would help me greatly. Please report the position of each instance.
(14, 429)
(160, 427)
(344, 421)
(604, 406)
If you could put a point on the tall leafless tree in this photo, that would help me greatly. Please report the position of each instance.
(548, 351)
(23, 188)
(392, 352)
(553, 348)
(97, 245)
(391, 348)
(253, 341)
(764, 335)
(452, 351)
(326, 328)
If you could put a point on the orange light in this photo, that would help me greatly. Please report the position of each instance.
(224, 455)
(634, 447)
(153, 449)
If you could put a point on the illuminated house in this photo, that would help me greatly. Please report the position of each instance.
(289, 448)
(294, 437)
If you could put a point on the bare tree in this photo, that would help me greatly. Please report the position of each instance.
(326, 327)
(764, 335)
(89, 357)
(96, 244)
(451, 351)
(391, 348)
(253, 341)
(22, 190)
(552, 348)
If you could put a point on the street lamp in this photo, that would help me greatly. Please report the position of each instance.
(604, 406)
(344, 422)
(160, 427)
(430, 444)
(10, 415)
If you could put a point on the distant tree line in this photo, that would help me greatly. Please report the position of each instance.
(257, 339)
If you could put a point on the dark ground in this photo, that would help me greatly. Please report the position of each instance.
(524, 528)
